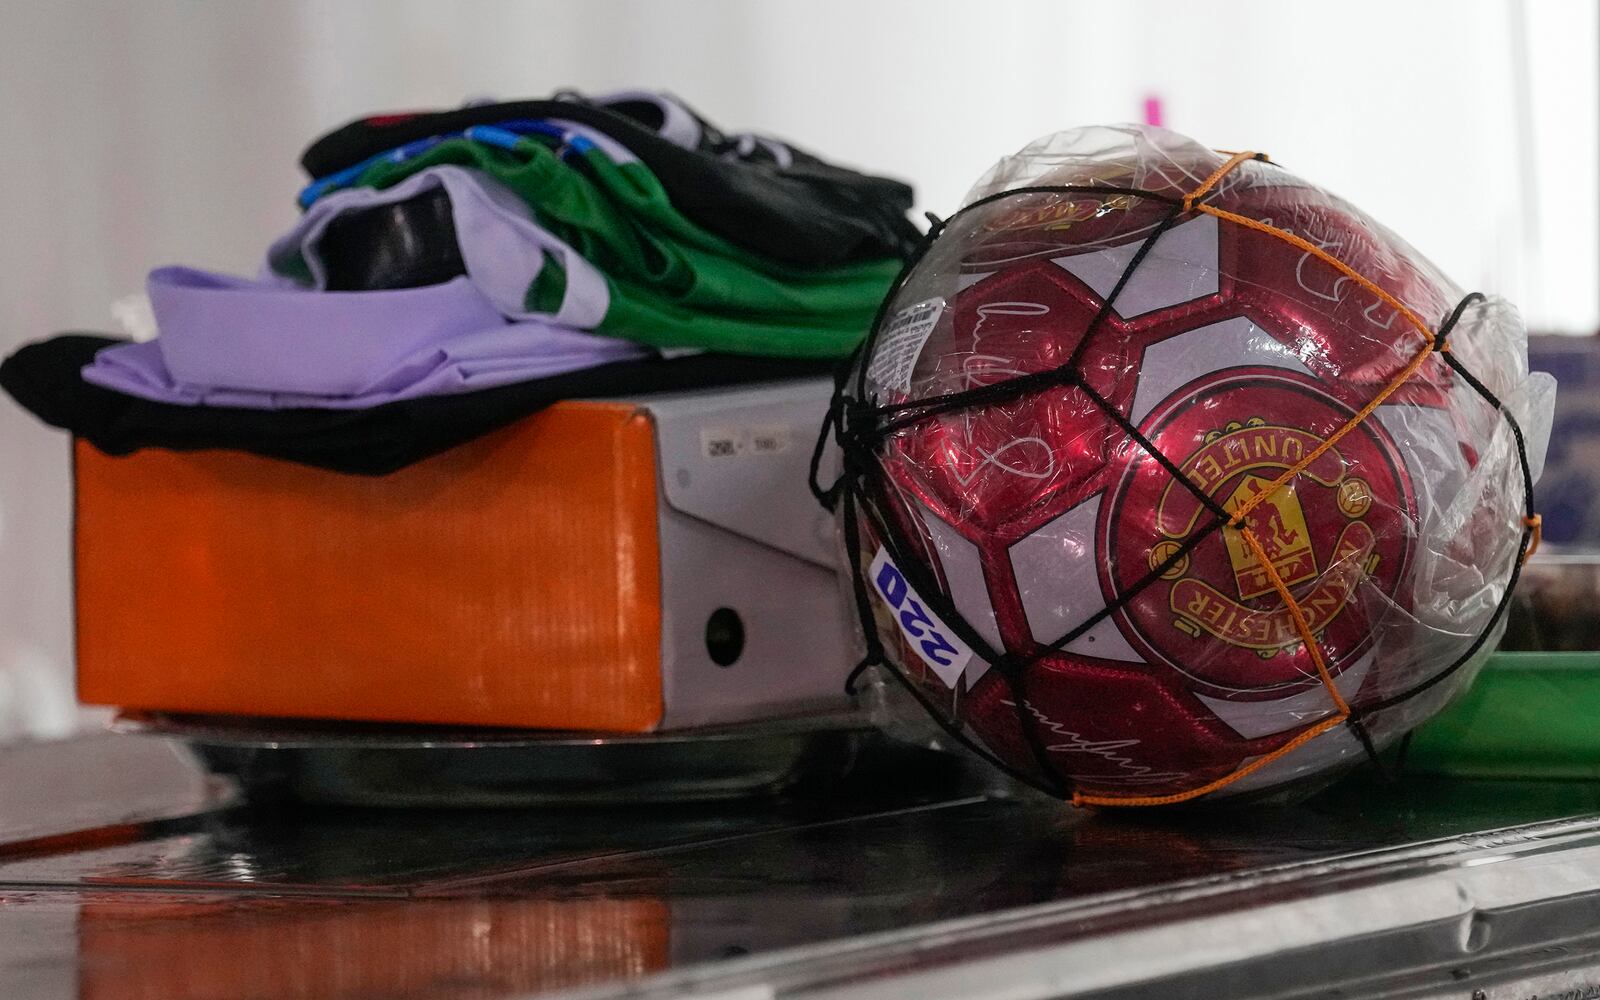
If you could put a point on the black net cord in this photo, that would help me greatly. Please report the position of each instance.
(858, 427)
(1441, 346)
(859, 430)
(872, 484)
(874, 646)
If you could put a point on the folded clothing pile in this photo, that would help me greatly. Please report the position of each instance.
(554, 247)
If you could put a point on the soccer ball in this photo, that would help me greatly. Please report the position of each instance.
(1086, 576)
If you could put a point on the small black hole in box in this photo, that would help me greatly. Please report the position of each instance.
(724, 637)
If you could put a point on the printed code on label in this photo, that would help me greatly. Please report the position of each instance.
(900, 343)
(733, 442)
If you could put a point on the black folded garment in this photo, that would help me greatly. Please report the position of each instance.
(408, 244)
(45, 378)
(795, 208)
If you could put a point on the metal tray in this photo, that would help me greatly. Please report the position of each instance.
(897, 880)
(410, 766)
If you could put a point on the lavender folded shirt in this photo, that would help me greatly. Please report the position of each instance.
(227, 341)
(502, 246)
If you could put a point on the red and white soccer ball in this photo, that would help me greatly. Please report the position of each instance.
(1234, 353)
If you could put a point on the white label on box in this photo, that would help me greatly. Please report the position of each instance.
(736, 442)
(940, 648)
(900, 343)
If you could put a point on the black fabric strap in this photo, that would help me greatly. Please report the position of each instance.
(45, 378)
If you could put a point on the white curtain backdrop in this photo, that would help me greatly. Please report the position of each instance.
(166, 131)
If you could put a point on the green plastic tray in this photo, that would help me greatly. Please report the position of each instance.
(1529, 715)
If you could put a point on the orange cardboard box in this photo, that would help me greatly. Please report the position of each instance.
(548, 575)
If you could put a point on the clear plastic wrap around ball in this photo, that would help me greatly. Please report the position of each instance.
(1233, 353)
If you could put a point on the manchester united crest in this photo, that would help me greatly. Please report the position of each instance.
(1215, 609)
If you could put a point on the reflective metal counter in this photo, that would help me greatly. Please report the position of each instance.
(126, 871)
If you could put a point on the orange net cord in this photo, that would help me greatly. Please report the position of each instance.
(1400, 379)
(1303, 627)
(1237, 522)
(1079, 799)
(1216, 177)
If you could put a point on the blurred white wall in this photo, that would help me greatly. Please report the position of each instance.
(165, 131)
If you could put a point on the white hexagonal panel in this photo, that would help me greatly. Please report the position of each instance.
(1231, 343)
(1057, 577)
(969, 591)
(1181, 267)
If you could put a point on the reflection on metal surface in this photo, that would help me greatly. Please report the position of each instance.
(1412, 921)
(178, 948)
(903, 877)
(95, 784)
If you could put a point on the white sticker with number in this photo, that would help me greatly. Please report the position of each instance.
(900, 343)
(736, 442)
(940, 648)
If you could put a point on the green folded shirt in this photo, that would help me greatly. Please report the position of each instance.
(672, 284)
